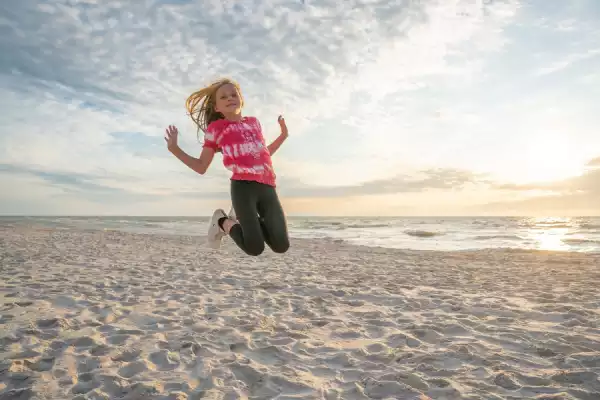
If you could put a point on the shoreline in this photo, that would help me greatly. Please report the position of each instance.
(341, 243)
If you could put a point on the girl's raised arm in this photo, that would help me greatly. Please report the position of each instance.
(199, 165)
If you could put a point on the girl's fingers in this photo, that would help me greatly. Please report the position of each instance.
(171, 132)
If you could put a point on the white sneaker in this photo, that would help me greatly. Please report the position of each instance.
(215, 233)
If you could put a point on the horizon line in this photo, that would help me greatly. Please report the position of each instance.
(300, 216)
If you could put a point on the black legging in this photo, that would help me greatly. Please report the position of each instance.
(261, 218)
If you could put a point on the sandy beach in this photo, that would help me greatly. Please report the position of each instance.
(112, 315)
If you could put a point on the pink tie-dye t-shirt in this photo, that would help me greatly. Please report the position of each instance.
(244, 150)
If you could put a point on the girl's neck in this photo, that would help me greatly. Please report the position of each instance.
(233, 117)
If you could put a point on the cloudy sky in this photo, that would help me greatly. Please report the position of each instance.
(395, 107)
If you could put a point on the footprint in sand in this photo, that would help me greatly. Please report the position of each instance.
(15, 373)
(132, 369)
(101, 350)
(87, 364)
(17, 394)
(346, 334)
(64, 302)
(164, 360)
(116, 387)
(388, 389)
(118, 339)
(248, 374)
(576, 377)
(84, 342)
(268, 355)
(52, 323)
(5, 318)
(506, 381)
(43, 364)
(127, 355)
(82, 387)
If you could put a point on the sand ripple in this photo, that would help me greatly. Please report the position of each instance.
(103, 315)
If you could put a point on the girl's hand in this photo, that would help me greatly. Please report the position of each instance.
(284, 129)
(171, 137)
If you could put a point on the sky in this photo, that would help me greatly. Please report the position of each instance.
(394, 107)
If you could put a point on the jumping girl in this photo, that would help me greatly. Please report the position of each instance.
(256, 217)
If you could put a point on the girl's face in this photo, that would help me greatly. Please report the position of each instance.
(228, 100)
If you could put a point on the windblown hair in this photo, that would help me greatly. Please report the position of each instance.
(201, 104)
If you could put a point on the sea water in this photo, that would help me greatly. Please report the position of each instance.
(581, 234)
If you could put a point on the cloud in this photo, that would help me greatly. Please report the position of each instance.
(85, 185)
(89, 87)
(567, 61)
(438, 179)
(80, 72)
(36, 192)
(588, 182)
(594, 162)
(103, 187)
(575, 204)
(566, 36)
(129, 60)
(574, 196)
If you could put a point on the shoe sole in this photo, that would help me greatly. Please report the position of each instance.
(215, 234)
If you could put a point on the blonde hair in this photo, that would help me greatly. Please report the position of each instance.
(201, 104)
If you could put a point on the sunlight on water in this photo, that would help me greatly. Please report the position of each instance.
(551, 239)
(548, 233)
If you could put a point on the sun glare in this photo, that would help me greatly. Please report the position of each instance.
(551, 240)
(549, 160)
(548, 233)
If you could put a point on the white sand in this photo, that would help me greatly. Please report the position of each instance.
(102, 315)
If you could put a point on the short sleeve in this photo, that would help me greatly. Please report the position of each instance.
(257, 124)
(210, 136)
(258, 129)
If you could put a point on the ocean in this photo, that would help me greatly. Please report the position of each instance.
(577, 234)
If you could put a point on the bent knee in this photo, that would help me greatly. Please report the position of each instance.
(281, 247)
(255, 249)
(255, 252)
